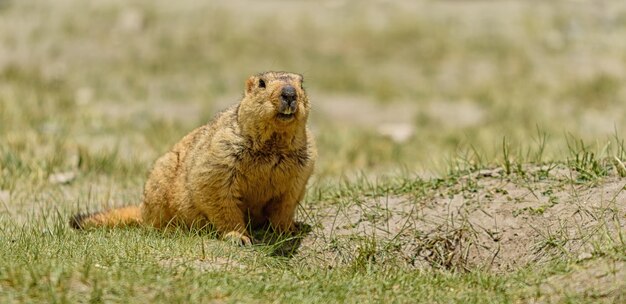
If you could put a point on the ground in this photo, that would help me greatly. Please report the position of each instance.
(470, 151)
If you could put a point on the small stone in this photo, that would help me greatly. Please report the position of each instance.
(585, 256)
(62, 177)
(398, 132)
(489, 173)
(131, 20)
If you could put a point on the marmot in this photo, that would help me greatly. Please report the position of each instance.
(249, 165)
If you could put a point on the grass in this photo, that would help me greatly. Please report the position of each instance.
(514, 116)
(77, 273)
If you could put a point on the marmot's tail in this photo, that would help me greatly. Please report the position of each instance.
(118, 217)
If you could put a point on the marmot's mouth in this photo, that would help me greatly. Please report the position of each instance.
(284, 116)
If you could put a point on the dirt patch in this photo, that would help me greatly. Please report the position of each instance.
(602, 280)
(362, 111)
(456, 115)
(486, 220)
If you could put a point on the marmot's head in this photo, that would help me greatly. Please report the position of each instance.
(277, 98)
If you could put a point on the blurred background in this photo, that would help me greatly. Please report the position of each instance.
(107, 86)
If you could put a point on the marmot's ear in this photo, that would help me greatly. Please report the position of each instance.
(250, 84)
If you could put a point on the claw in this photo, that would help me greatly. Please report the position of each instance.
(238, 238)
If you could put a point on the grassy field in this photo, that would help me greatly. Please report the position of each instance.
(470, 151)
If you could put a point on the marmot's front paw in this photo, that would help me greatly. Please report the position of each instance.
(237, 238)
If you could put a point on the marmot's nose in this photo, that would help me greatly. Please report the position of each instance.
(288, 93)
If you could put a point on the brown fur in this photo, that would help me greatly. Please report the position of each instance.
(246, 166)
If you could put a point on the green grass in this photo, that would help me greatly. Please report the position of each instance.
(517, 104)
(73, 272)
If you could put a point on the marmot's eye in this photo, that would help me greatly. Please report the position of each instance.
(261, 83)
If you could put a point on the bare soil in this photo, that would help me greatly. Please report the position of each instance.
(486, 220)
